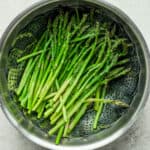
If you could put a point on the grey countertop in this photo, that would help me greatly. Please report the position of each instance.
(138, 137)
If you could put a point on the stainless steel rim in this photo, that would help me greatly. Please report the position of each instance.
(121, 131)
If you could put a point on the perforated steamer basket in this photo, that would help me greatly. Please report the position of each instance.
(134, 89)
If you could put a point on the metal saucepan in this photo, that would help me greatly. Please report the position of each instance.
(95, 140)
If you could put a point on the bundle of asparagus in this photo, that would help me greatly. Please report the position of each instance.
(69, 69)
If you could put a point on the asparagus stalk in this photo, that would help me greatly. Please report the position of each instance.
(29, 56)
(96, 104)
(109, 101)
(77, 117)
(59, 135)
(100, 108)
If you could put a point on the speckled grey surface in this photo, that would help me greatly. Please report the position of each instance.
(138, 137)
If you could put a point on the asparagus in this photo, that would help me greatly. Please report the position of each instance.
(96, 104)
(66, 95)
(29, 56)
(71, 111)
(29, 67)
(65, 134)
(99, 107)
(108, 101)
(77, 117)
(60, 133)
(69, 68)
(86, 86)
(59, 92)
(50, 80)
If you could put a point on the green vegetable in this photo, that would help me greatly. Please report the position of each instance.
(70, 68)
(60, 133)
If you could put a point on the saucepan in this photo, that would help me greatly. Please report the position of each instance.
(140, 87)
